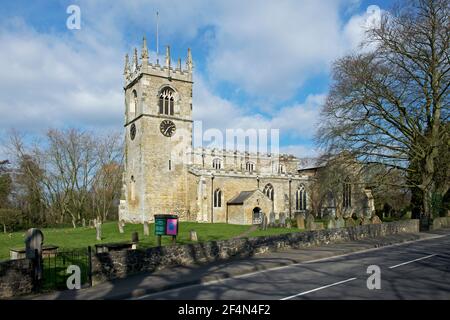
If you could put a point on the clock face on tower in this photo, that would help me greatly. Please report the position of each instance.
(167, 128)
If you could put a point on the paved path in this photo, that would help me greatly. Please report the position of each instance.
(287, 273)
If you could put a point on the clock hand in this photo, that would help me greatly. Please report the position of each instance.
(167, 129)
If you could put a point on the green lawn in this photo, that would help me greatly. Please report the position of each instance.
(69, 238)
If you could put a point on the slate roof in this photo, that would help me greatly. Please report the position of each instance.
(310, 163)
(241, 197)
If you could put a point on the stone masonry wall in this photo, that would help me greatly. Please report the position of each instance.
(15, 278)
(120, 264)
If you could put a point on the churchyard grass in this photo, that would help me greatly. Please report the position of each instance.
(80, 238)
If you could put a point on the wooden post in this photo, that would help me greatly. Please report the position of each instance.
(158, 239)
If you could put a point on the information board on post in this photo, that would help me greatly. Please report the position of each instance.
(166, 225)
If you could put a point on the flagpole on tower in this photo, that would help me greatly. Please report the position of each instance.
(157, 37)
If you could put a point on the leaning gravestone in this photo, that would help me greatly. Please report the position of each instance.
(340, 222)
(34, 240)
(300, 221)
(282, 220)
(146, 230)
(120, 226)
(310, 224)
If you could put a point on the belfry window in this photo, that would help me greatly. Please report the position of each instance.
(217, 164)
(268, 191)
(250, 166)
(166, 101)
(300, 199)
(133, 102)
(132, 189)
(217, 198)
(347, 194)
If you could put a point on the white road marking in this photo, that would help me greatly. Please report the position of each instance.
(212, 282)
(317, 289)
(408, 262)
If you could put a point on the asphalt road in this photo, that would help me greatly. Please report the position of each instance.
(418, 270)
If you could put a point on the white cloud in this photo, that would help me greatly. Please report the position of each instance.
(355, 29)
(268, 49)
(52, 81)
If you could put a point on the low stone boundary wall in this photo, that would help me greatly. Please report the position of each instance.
(15, 278)
(439, 223)
(120, 264)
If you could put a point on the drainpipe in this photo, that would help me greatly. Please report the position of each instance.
(212, 198)
(290, 205)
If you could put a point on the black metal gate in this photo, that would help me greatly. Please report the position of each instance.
(55, 268)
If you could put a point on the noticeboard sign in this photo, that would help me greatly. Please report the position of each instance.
(172, 227)
(166, 225)
(160, 226)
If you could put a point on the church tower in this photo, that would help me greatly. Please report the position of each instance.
(158, 136)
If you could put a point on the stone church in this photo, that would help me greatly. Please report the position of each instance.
(164, 174)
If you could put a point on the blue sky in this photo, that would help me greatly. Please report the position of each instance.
(258, 64)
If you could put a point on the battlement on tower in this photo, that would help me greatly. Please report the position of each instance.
(141, 65)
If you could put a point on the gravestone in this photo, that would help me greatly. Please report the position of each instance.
(84, 223)
(272, 219)
(289, 224)
(134, 240)
(349, 222)
(340, 222)
(330, 223)
(264, 221)
(120, 226)
(309, 221)
(300, 221)
(98, 229)
(146, 230)
(135, 237)
(193, 236)
(282, 220)
(91, 224)
(365, 221)
(34, 240)
(375, 220)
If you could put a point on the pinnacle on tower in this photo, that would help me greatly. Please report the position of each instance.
(168, 57)
(179, 64)
(144, 53)
(189, 63)
(135, 60)
(126, 70)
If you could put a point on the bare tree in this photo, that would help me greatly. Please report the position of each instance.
(67, 165)
(107, 183)
(390, 105)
